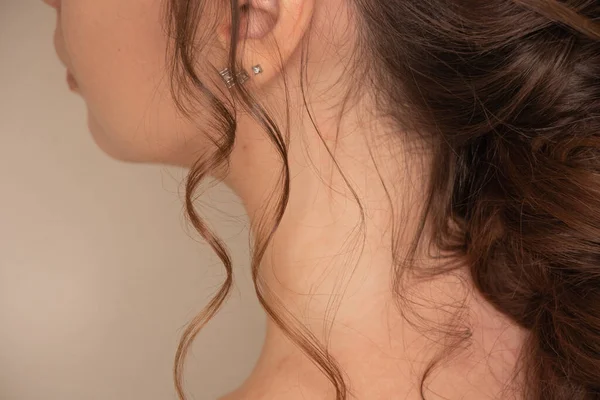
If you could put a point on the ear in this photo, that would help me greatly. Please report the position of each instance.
(270, 33)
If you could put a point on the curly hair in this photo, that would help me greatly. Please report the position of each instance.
(507, 95)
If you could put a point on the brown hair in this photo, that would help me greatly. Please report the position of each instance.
(507, 95)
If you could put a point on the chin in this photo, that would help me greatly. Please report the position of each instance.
(127, 151)
(113, 148)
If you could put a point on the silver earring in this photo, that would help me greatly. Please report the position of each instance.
(242, 75)
(227, 76)
(257, 69)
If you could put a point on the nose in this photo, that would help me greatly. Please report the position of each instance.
(53, 3)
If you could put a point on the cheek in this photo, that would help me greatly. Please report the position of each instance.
(116, 50)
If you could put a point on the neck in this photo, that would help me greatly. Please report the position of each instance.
(332, 251)
(329, 267)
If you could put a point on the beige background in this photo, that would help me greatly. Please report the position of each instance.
(97, 273)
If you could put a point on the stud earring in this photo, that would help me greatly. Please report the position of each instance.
(242, 75)
(257, 69)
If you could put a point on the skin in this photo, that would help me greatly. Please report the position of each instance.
(115, 51)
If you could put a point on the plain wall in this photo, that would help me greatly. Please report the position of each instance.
(98, 274)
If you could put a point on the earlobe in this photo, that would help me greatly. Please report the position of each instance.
(270, 32)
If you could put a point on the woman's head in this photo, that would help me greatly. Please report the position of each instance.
(503, 95)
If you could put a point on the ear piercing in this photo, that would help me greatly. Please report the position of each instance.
(242, 75)
(257, 69)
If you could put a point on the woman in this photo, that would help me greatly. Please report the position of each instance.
(422, 179)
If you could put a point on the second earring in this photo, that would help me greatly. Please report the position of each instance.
(242, 76)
